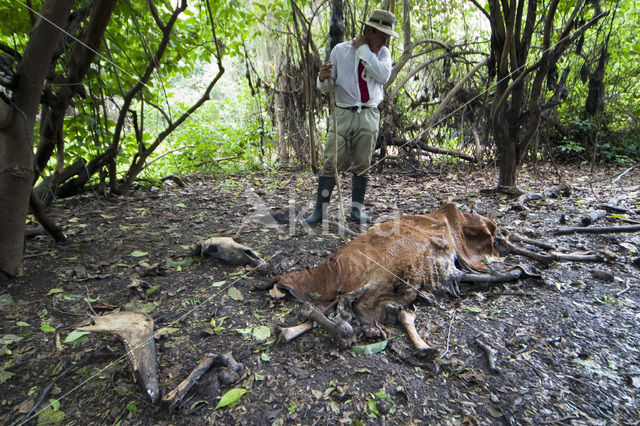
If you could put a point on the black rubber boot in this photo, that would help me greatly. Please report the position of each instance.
(358, 189)
(325, 186)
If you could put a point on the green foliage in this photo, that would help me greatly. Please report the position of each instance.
(232, 131)
(225, 135)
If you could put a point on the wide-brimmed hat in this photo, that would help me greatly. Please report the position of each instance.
(382, 20)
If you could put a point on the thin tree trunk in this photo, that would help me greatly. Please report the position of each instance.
(16, 138)
(82, 56)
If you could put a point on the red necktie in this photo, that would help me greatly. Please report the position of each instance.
(364, 90)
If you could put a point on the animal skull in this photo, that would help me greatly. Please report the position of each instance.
(227, 251)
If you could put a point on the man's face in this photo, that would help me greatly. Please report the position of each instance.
(376, 39)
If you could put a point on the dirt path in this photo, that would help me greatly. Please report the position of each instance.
(567, 346)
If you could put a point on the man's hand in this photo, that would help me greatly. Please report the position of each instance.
(325, 71)
(359, 41)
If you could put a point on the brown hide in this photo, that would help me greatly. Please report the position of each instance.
(393, 260)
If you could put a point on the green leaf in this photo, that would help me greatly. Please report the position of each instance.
(152, 290)
(372, 348)
(244, 330)
(5, 375)
(136, 306)
(138, 253)
(47, 328)
(231, 397)
(55, 404)
(383, 395)
(8, 339)
(179, 264)
(50, 418)
(235, 294)
(218, 283)
(23, 324)
(261, 333)
(265, 357)
(55, 291)
(373, 406)
(473, 309)
(75, 335)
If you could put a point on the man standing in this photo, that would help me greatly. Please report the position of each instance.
(358, 68)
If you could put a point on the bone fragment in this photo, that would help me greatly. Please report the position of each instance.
(339, 329)
(136, 329)
(290, 333)
(408, 320)
(231, 373)
(172, 399)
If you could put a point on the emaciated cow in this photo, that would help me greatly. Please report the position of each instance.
(383, 270)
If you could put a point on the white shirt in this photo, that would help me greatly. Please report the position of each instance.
(344, 74)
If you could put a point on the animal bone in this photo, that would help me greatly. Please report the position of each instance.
(228, 251)
(339, 329)
(231, 373)
(136, 329)
(290, 333)
(408, 320)
(171, 399)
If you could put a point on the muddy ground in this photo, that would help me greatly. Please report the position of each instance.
(567, 346)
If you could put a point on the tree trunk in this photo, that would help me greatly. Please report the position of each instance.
(507, 163)
(595, 99)
(82, 56)
(16, 138)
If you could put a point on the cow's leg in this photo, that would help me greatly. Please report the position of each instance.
(338, 328)
(344, 308)
(351, 304)
(290, 333)
(408, 320)
(452, 283)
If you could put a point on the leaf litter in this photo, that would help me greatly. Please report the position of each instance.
(566, 346)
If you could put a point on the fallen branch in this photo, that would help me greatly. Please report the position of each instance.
(47, 223)
(550, 257)
(624, 173)
(625, 289)
(174, 179)
(450, 152)
(592, 217)
(598, 230)
(511, 275)
(490, 353)
(543, 245)
(614, 209)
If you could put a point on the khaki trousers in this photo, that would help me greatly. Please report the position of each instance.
(357, 134)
